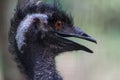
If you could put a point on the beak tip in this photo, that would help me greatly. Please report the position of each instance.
(88, 50)
(91, 52)
(92, 40)
(95, 41)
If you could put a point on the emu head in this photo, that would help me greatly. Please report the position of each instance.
(48, 26)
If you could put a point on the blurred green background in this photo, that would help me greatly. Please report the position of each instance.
(99, 18)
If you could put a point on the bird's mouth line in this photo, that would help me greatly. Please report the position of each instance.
(78, 45)
(76, 33)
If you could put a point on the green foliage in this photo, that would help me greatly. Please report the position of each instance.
(100, 14)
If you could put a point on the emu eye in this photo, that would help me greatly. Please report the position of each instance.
(58, 25)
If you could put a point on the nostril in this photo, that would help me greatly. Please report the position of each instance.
(85, 35)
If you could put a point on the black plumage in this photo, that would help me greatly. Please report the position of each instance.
(38, 34)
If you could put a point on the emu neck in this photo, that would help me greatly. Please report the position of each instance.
(43, 65)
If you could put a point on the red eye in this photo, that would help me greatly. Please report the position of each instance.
(58, 25)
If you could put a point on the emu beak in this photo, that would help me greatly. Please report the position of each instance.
(78, 33)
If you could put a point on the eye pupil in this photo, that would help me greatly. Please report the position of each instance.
(58, 25)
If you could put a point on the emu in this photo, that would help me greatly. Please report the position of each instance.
(38, 34)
